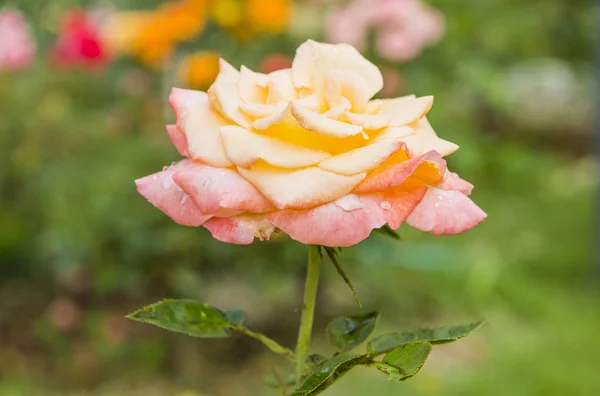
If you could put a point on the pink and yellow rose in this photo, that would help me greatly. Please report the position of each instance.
(307, 151)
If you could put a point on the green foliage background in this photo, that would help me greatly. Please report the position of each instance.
(76, 239)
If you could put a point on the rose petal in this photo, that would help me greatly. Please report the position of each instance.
(179, 140)
(363, 159)
(277, 118)
(350, 202)
(302, 188)
(162, 192)
(330, 224)
(347, 84)
(369, 121)
(445, 213)
(244, 148)
(336, 112)
(314, 61)
(321, 124)
(200, 124)
(452, 181)
(252, 86)
(399, 202)
(225, 96)
(262, 110)
(406, 110)
(281, 88)
(213, 189)
(395, 133)
(240, 230)
(429, 167)
(425, 139)
(311, 102)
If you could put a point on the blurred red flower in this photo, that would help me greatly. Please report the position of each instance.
(79, 42)
(274, 62)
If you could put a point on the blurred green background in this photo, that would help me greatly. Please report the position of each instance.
(79, 249)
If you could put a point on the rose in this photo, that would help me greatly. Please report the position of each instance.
(79, 42)
(304, 150)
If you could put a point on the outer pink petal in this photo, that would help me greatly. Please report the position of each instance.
(162, 192)
(342, 223)
(445, 213)
(399, 202)
(452, 181)
(179, 140)
(395, 175)
(240, 230)
(215, 188)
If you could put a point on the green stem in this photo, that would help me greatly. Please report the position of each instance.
(269, 343)
(308, 310)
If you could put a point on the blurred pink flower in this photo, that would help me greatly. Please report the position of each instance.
(402, 27)
(17, 48)
(79, 42)
(64, 314)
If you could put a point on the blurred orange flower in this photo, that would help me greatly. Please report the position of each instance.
(270, 16)
(246, 18)
(151, 36)
(199, 69)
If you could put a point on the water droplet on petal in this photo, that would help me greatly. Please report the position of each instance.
(440, 197)
(165, 168)
(385, 205)
(436, 204)
(167, 182)
(184, 197)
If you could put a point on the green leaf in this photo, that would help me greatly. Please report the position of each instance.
(332, 253)
(235, 317)
(405, 361)
(276, 381)
(349, 332)
(328, 372)
(387, 231)
(435, 335)
(291, 379)
(271, 382)
(316, 359)
(185, 316)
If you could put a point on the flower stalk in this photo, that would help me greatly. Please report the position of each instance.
(308, 309)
